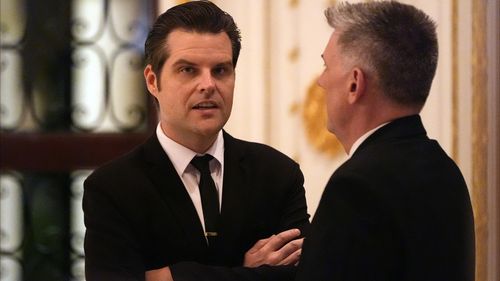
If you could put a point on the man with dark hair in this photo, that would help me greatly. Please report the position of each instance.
(398, 208)
(192, 201)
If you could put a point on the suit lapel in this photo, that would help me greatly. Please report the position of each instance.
(170, 187)
(235, 188)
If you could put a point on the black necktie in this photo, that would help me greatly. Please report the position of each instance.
(209, 196)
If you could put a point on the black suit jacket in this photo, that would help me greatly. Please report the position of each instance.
(398, 209)
(139, 215)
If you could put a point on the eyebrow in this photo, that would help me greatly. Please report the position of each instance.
(226, 63)
(183, 61)
(187, 62)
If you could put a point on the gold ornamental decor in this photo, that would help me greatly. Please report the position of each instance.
(314, 118)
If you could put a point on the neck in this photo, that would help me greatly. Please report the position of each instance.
(196, 142)
(370, 118)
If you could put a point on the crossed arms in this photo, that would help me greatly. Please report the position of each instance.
(277, 250)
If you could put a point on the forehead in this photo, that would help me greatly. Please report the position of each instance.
(182, 41)
(332, 47)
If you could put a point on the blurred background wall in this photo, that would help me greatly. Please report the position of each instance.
(72, 96)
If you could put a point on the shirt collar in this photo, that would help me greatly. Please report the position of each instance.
(181, 156)
(360, 140)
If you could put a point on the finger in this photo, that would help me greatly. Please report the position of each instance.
(290, 248)
(292, 259)
(162, 274)
(259, 244)
(277, 241)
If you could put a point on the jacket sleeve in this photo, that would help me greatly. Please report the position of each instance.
(111, 250)
(191, 271)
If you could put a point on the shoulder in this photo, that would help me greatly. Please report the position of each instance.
(122, 183)
(119, 169)
(398, 167)
(254, 151)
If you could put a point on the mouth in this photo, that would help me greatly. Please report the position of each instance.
(205, 105)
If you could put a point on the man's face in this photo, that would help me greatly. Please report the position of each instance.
(196, 85)
(334, 80)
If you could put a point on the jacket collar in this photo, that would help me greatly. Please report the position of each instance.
(404, 127)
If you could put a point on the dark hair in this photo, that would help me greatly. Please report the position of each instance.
(397, 43)
(197, 16)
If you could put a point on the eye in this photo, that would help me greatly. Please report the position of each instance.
(187, 69)
(219, 71)
(222, 70)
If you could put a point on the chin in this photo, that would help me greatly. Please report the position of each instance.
(209, 131)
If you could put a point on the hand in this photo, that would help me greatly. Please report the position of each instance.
(162, 274)
(279, 249)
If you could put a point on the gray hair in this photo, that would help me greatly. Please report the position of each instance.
(397, 43)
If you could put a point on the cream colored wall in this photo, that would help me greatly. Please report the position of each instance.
(493, 53)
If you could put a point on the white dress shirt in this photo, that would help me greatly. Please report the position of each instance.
(181, 156)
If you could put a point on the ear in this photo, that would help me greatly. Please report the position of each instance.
(357, 85)
(151, 80)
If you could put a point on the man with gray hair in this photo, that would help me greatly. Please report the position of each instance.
(398, 208)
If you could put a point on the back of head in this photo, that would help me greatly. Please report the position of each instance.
(194, 16)
(393, 42)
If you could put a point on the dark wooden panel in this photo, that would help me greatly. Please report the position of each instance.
(63, 151)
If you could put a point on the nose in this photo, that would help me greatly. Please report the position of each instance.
(207, 82)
